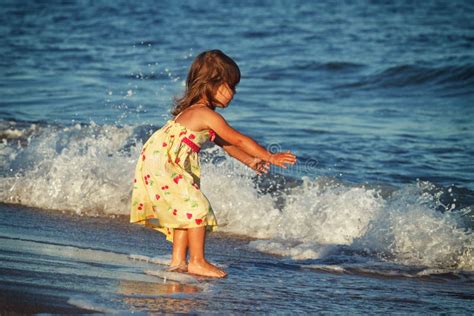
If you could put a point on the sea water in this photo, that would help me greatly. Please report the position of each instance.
(375, 99)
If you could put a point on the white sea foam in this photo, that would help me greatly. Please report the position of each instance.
(413, 233)
(173, 276)
(326, 267)
(80, 168)
(89, 169)
(162, 260)
(319, 218)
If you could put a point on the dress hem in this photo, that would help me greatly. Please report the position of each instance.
(144, 221)
(169, 237)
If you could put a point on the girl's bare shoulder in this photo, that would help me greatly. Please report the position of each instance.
(210, 113)
(198, 118)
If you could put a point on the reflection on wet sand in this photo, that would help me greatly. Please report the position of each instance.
(158, 297)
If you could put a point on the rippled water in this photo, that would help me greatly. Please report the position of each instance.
(377, 92)
(374, 99)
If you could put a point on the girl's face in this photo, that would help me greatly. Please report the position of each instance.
(224, 95)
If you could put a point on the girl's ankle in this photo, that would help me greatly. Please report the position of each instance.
(178, 263)
(197, 260)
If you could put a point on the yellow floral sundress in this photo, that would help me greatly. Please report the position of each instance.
(166, 190)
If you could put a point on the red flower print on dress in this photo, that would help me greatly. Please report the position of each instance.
(191, 136)
(182, 133)
(164, 187)
(175, 211)
(146, 178)
(164, 144)
(143, 157)
(212, 135)
(140, 206)
(198, 221)
(189, 215)
(177, 160)
(177, 178)
(157, 196)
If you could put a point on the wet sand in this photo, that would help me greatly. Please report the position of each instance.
(54, 262)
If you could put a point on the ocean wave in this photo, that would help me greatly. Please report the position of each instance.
(81, 168)
(387, 270)
(88, 169)
(400, 76)
(336, 66)
(321, 217)
(299, 69)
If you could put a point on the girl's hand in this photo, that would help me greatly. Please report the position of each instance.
(280, 159)
(259, 166)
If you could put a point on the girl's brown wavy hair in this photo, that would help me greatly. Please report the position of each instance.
(208, 71)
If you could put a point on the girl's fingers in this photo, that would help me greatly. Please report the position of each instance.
(283, 159)
(288, 159)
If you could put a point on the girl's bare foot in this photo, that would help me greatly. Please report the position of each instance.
(204, 268)
(178, 267)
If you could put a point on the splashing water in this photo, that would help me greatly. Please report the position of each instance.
(88, 169)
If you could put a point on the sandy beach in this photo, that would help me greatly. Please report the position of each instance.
(55, 262)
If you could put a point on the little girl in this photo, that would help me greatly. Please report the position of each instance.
(167, 192)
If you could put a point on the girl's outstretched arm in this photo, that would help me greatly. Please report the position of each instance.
(254, 163)
(246, 144)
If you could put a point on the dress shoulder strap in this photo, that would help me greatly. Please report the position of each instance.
(174, 119)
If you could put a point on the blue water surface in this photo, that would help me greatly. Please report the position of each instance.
(374, 92)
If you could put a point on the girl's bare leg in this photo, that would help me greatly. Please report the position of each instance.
(197, 262)
(180, 246)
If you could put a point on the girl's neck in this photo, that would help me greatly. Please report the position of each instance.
(194, 106)
(201, 104)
